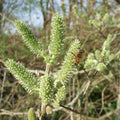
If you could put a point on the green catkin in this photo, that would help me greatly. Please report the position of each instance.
(60, 95)
(75, 11)
(26, 79)
(101, 57)
(106, 44)
(57, 37)
(31, 114)
(29, 38)
(67, 68)
(46, 89)
(101, 67)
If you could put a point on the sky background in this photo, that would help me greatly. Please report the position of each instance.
(34, 17)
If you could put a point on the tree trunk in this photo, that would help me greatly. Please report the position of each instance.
(63, 8)
(47, 12)
(1, 11)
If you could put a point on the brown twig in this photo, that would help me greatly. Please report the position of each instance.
(6, 112)
(7, 18)
(69, 109)
(2, 88)
(100, 31)
(102, 100)
(107, 115)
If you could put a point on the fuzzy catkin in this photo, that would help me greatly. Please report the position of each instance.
(31, 114)
(28, 37)
(46, 89)
(60, 95)
(67, 68)
(57, 36)
(26, 79)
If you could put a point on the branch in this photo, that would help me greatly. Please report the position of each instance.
(69, 109)
(2, 88)
(7, 18)
(5, 112)
(108, 114)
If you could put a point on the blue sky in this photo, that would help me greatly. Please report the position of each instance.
(33, 18)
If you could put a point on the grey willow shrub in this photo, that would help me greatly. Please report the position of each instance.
(52, 87)
(104, 20)
(100, 58)
(47, 86)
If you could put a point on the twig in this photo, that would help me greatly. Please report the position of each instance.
(2, 88)
(5, 112)
(37, 72)
(118, 99)
(118, 53)
(87, 38)
(7, 18)
(100, 31)
(86, 106)
(102, 100)
(107, 115)
(69, 109)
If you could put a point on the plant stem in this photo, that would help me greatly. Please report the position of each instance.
(47, 68)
